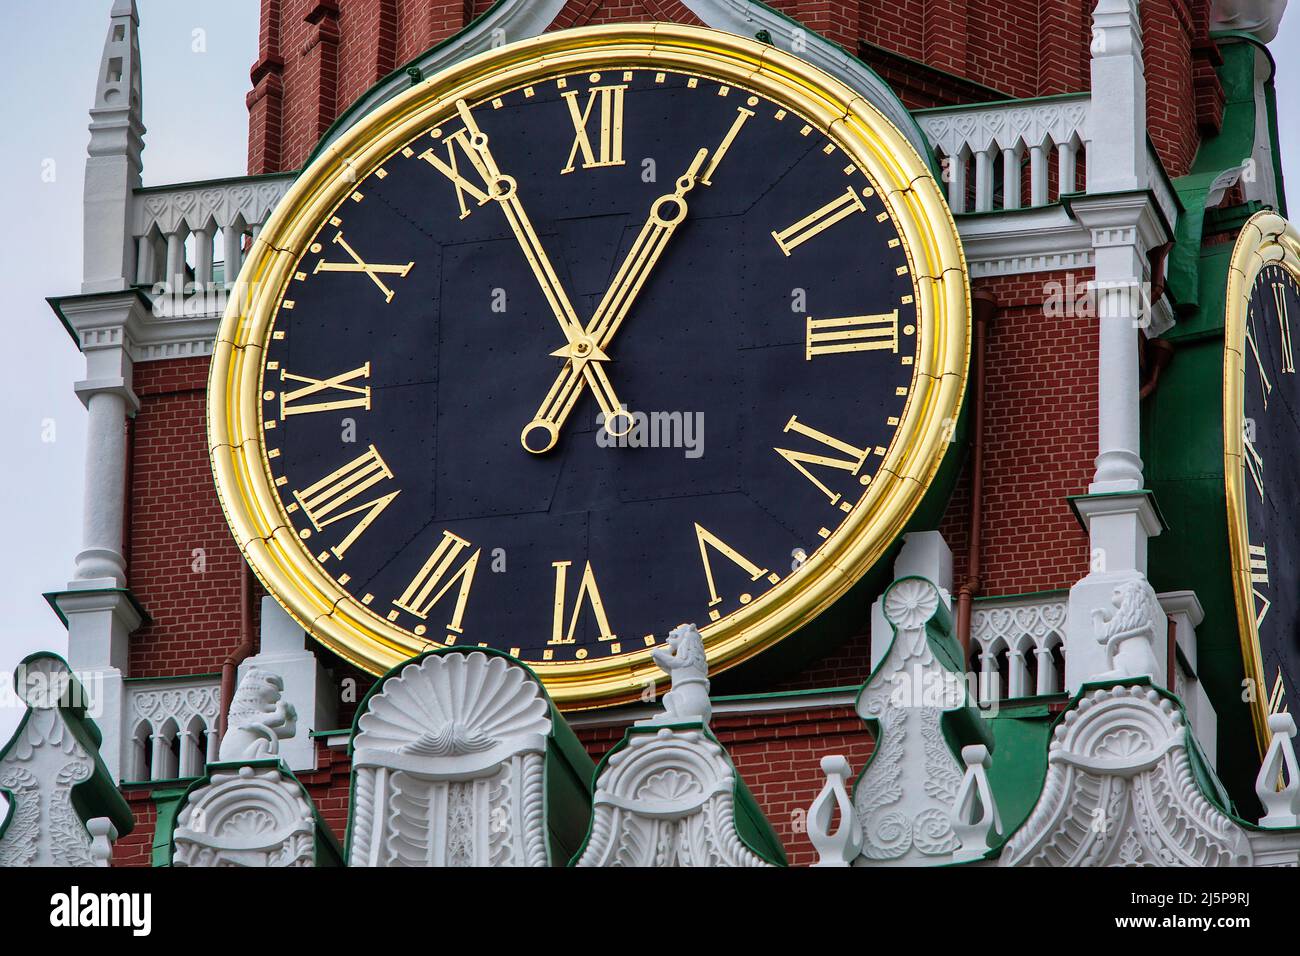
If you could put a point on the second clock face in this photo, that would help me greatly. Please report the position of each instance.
(597, 356)
(1271, 483)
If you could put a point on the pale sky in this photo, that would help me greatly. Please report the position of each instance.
(194, 87)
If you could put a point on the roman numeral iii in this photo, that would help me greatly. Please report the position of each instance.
(588, 593)
(436, 578)
(609, 127)
(854, 333)
(294, 401)
(331, 499)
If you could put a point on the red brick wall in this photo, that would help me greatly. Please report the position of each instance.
(136, 848)
(194, 614)
(1167, 31)
(316, 57)
(1040, 441)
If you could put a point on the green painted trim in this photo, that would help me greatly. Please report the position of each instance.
(168, 803)
(1221, 35)
(1074, 500)
(1010, 213)
(778, 694)
(1207, 781)
(1009, 101)
(52, 599)
(566, 775)
(211, 183)
(177, 678)
(154, 784)
(753, 828)
(1022, 595)
(96, 796)
(330, 733)
(326, 850)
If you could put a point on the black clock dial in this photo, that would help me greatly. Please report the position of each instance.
(1271, 433)
(700, 260)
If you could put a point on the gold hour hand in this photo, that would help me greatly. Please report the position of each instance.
(505, 190)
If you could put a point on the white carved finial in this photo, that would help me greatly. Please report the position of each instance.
(683, 658)
(1128, 632)
(1260, 18)
(974, 813)
(1281, 806)
(842, 846)
(102, 834)
(258, 719)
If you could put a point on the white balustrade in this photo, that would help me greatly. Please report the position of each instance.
(996, 139)
(171, 728)
(1017, 646)
(191, 238)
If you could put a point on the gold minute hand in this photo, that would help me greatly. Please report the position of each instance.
(666, 214)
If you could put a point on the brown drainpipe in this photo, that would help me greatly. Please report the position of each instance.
(230, 666)
(985, 306)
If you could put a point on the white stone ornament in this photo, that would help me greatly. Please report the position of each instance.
(1258, 17)
(683, 658)
(1128, 632)
(258, 719)
(667, 797)
(840, 846)
(1281, 804)
(253, 816)
(975, 814)
(1120, 791)
(448, 762)
(904, 797)
(41, 765)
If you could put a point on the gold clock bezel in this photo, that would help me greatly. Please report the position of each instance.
(1266, 239)
(914, 200)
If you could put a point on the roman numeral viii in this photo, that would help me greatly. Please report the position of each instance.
(335, 498)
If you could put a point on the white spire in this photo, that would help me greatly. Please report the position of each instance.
(113, 169)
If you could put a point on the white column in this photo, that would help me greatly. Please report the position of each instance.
(100, 557)
(1120, 216)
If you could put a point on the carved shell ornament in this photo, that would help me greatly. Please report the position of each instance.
(452, 704)
(911, 602)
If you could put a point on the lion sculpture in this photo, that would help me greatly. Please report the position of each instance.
(683, 658)
(258, 719)
(1128, 632)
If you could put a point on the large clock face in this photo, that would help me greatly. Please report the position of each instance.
(1263, 483)
(579, 353)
